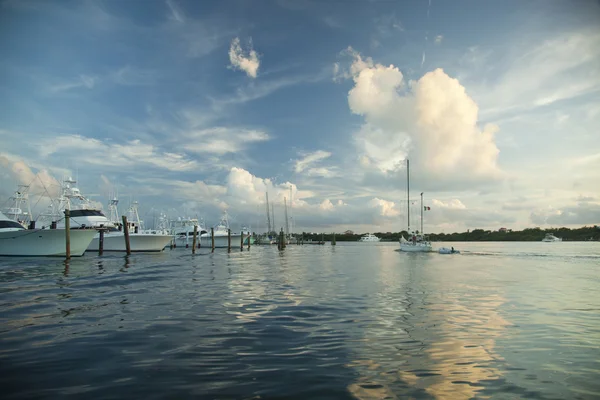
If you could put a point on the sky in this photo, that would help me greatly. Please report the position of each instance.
(192, 108)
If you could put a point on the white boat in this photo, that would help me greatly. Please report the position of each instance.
(18, 241)
(417, 241)
(551, 238)
(369, 238)
(20, 201)
(140, 240)
(221, 235)
(445, 250)
(85, 215)
(182, 231)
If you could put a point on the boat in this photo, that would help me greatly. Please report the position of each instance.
(417, 241)
(140, 240)
(182, 230)
(20, 200)
(369, 238)
(15, 240)
(551, 238)
(445, 250)
(85, 215)
(221, 232)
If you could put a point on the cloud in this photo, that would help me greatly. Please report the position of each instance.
(222, 140)
(453, 204)
(249, 63)
(386, 208)
(583, 213)
(175, 12)
(310, 159)
(432, 120)
(134, 152)
(82, 81)
(438, 39)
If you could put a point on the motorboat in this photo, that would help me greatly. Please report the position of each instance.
(551, 238)
(222, 235)
(85, 215)
(445, 250)
(369, 238)
(15, 240)
(182, 231)
(140, 239)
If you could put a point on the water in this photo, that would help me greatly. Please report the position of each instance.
(500, 320)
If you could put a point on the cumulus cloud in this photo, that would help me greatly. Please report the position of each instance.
(246, 61)
(438, 39)
(432, 120)
(386, 208)
(583, 213)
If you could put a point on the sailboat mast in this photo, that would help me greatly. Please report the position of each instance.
(408, 193)
(273, 218)
(287, 224)
(421, 213)
(268, 215)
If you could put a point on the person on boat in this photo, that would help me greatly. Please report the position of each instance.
(453, 250)
(414, 239)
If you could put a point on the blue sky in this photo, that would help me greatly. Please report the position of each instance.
(195, 107)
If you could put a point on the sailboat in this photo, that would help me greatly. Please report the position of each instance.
(416, 241)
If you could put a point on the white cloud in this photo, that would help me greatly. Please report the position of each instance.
(134, 152)
(175, 12)
(453, 203)
(386, 208)
(432, 120)
(438, 39)
(249, 63)
(82, 81)
(310, 159)
(223, 140)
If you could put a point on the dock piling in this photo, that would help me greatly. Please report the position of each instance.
(68, 234)
(333, 239)
(212, 239)
(228, 240)
(242, 240)
(194, 240)
(101, 242)
(126, 232)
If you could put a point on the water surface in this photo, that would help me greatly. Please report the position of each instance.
(359, 320)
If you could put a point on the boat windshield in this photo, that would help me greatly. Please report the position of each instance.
(86, 213)
(10, 224)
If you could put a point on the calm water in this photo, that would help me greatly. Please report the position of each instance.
(501, 320)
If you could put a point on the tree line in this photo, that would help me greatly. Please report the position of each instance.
(585, 233)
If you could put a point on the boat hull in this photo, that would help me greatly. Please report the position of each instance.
(138, 242)
(44, 242)
(221, 241)
(415, 248)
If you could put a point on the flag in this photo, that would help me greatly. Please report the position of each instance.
(427, 208)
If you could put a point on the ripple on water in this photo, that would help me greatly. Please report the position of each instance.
(351, 321)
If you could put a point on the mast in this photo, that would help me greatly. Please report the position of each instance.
(287, 225)
(273, 218)
(408, 193)
(421, 213)
(291, 212)
(268, 215)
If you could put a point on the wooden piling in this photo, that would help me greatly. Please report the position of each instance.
(281, 240)
(333, 239)
(68, 234)
(249, 239)
(101, 242)
(212, 239)
(228, 239)
(241, 240)
(194, 240)
(126, 232)
(322, 238)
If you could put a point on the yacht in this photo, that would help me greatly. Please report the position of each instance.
(221, 235)
(417, 241)
(369, 238)
(15, 240)
(85, 215)
(140, 240)
(182, 231)
(551, 238)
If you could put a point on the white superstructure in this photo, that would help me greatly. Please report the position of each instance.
(369, 238)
